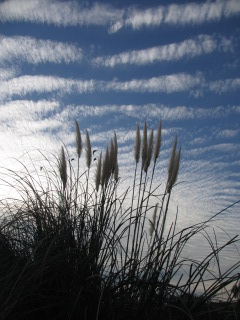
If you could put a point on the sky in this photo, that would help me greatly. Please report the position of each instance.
(112, 64)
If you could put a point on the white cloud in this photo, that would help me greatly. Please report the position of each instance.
(71, 13)
(36, 51)
(167, 84)
(23, 110)
(190, 13)
(226, 85)
(66, 13)
(156, 111)
(24, 85)
(228, 133)
(180, 82)
(203, 44)
(221, 147)
(6, 74)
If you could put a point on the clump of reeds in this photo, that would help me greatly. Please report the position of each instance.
(73, 249)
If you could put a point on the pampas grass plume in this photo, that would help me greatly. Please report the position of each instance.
(98, 172)
(175, 170)
(158, 142)
(112, 157)
(144, 145)
(78, 139)
(88, 151)
(171, 160)
(137, 145)
(153, 221)
(149, 152)
(106, 170)
(116, 170)
(63, 168)
(115, 148)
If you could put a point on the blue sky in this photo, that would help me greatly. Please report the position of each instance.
(115, 63)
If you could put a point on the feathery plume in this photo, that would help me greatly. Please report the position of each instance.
(106, 170)
(144, 145)
(88, 151)
(171, 160)
(98, 172)
(116, 169)
(115, 147)
(175, 170)
(149, 152)
(63, 168)
(137, 145)
(112, 157)
(158, 142)
(153, 221)
(78, 139)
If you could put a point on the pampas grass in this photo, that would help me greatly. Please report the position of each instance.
(137, 145)
(78, 139)
(72, 249)
(88, 150)
(158, 142)
(63, 168)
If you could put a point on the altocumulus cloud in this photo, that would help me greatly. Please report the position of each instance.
(173, 83)
(24, 85)
(66, 13)
(27, 109)
(226, 85)
(202, 44)
(34, 51)
(71, 13)
(142, 112)
(167, 84)
(182, 14)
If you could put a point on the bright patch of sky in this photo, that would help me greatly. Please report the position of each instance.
(115, 63)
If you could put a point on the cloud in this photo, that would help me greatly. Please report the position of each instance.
(23, 110)
(173, 83)
(222, 86)
(65, 13)
(167, 84)
(221, 148)
(21, 86)
(228, 133)
(156, 111)
(179, 14)
(203, 44)
(6, 74)
(31, 50)
(72, 13)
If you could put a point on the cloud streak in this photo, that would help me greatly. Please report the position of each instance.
(21, 86)
(173, 83)
(203, 44)
(222, 86)
(24, 110)
(183, 14)
(33, 51)
(65, 13)
(168, 84)
(71, 13)
(155, 111)
(27, 84)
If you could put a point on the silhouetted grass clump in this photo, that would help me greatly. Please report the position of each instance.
(72, 248)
